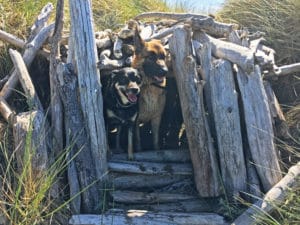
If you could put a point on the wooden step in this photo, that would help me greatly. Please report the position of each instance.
(181, 155)
(150, 168)
(135, 197)
(141, 217)
(139, 181)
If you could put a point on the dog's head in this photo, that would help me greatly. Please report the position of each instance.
(126, 83)
(149, 57)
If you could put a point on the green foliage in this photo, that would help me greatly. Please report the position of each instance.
(280, 20)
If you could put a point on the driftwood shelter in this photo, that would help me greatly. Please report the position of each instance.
(228, 109)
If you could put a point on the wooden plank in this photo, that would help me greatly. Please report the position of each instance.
(85, 55)
(273, 198)
(157, 156)
(135, 197)
(190, 91)
(140, 217)
(259, 127)
(144, 181)
(196, 205)
(150, 168)
(225, 109)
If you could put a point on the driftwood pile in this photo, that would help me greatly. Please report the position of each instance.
(229, 109)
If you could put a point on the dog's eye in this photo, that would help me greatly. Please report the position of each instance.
(138, 80)
(122, 80)
(161, 56)
(152, 57)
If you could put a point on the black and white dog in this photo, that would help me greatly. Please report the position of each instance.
(121, 91)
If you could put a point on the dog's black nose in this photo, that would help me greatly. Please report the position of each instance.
(163, 71)
(134, 90)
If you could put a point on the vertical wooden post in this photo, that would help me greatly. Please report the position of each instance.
(259, 127)
(191, 98)
(228, 130)
(85, 55)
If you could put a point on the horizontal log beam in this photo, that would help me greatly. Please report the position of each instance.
(141, 217)
(11, 39)
(157, 156)
(170, 16)
(134, 197)
(150, 168)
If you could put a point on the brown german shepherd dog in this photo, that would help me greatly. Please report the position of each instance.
(149, 60)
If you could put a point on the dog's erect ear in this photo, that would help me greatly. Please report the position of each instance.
(139, 43)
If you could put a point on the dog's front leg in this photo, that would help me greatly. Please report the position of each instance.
(130, 142)
(155, 124)
(138, 137)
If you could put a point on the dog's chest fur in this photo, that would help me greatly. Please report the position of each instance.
(151, 103)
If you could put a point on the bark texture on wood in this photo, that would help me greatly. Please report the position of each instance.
(273, 198)
(170, 16)
(82, 172)
(30, 140)
(191, 99)
(259, 127)
(85, 53)
(228, 129)
(140, 217)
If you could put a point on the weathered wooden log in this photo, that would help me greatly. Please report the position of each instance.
(30, 141)
(210, 26)
(104, 43)
(105, 63)
(206, 173)
(140, 217)
(41, 21)
(6, 111)
(169, 16)
(55, 101)
(190, 206)
(288, 69)
(134, 197)
(163, 33)
(28, 57)
(85, 53)
(226, 116)
(259, 127)
(242, 56)
(278, 119)
(83, 171)
(157, 156)
(140, 181)
(150, 168)
(11, 39)
(273, 198)
(117, 50)
(33, 100)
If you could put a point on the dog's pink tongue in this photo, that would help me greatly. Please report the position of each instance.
(132, 97)
(159, 79)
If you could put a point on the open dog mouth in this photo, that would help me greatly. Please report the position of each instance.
(132, 97)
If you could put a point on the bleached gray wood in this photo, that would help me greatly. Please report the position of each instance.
(259, 127)
(6, 111)
(140, 217)
(85, 53)
(140, 181)
(242, 56)
(33, 100)
(28, 57)
(170, 16)
(182, 155)
(288, 69)
(206, 172)
(30, 135)
(134, 197)
(226, 116)
(273, 198)
(190, 206)
(11, 39)
(150, 168)
(83, 171)
(41, 21)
